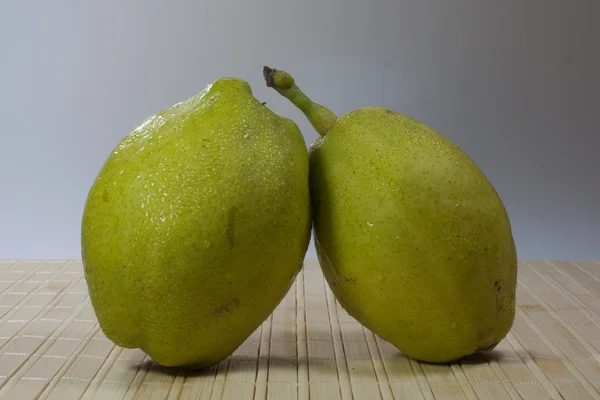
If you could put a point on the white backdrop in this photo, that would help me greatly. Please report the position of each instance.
(514, 83)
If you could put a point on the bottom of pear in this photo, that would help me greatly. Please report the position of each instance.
(452, 359)
(177, 362)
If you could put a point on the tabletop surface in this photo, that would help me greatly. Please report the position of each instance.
(51, 346)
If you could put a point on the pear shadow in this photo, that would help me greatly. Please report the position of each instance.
(477, 358)
(246, 362)
(483, 357)
(151, 365)
(231, 365)
(393, 357)
(320, 362)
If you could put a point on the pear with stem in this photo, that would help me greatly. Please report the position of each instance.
(412, 238)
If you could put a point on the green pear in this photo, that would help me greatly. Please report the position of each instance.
(196, 226)
(412, 238)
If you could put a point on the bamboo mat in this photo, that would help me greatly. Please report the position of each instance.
(51, 347)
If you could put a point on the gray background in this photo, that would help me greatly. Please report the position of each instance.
(514, 83)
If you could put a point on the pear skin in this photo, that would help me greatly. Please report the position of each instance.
(196, 226)
(411, 236)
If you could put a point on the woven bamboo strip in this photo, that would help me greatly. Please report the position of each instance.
(478, 379)
(587, 298)
(564, 341)
(403, 381)
(338, 346)
(17, 273)
(51, 346)
(591, 266)
(198, 385)
(6, 264)
(18, 285)
(584, 325)
(102, 372)
(322, 367)
(77, 373)
(380, 371)
(579, 275)
(34, 325)
(561, 372)
(283, 357)
(35, 303)
(41, 366)
(514, 374)
(301, 334)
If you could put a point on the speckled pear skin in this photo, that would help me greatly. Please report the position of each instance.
(196, 226)
(411, 236)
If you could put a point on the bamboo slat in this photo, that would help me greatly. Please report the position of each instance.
(51, 346)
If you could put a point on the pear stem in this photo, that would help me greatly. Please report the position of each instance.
(321, 118)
